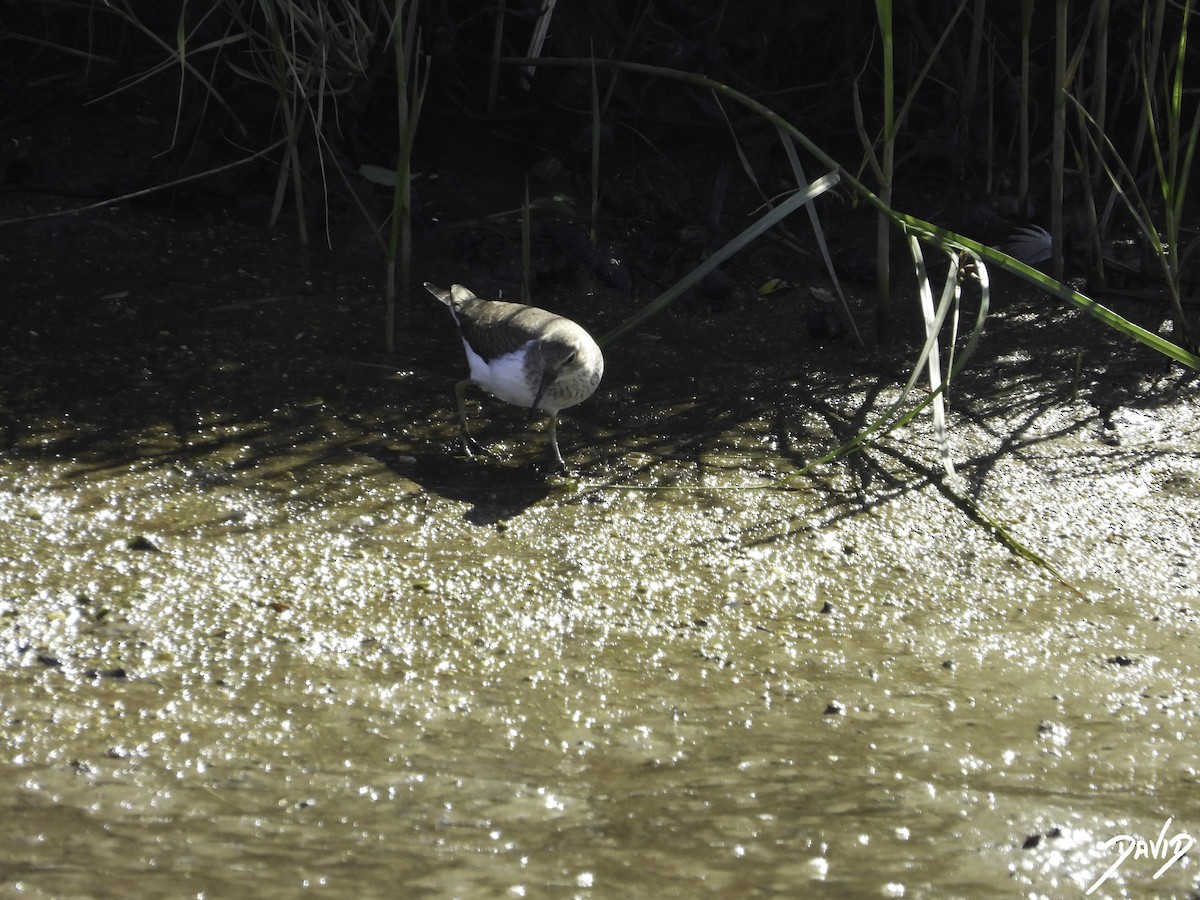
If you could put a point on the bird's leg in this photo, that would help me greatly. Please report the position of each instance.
(547, 377)
(554, 441)
(468, 442)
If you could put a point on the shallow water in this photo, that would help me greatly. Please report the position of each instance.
(260, 625)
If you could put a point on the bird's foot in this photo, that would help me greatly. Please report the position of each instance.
(557, 465)
(471, 447)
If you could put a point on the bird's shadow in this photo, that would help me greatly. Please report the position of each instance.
(497, 489)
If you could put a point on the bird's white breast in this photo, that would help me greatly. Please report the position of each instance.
(505, 377)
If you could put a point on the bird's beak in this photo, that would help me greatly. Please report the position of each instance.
(537, 398)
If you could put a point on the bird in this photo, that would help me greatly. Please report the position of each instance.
(523, 355)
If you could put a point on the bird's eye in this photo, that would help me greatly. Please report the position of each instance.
(570, 359)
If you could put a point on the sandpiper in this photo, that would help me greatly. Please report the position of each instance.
(522, 355)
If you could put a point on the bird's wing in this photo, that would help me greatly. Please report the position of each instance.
(494, 328)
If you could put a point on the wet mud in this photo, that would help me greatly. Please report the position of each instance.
(261, 623)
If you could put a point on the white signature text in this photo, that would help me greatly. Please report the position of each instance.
(1170, 849)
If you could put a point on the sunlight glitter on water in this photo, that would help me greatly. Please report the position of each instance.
(655, 670)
